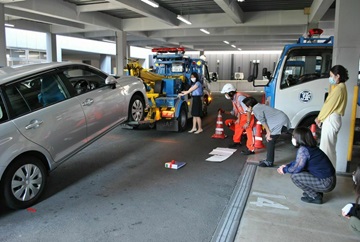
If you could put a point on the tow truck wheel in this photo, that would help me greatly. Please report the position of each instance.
(182, 119)
(204, 111)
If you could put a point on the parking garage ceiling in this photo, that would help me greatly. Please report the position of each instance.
(243, 25)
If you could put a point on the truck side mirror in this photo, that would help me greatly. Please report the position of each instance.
(251, 78)
(266, 73)
(214, 77)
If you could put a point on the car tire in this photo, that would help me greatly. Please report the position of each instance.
(136, 108)
(23, 182)
(182, 119)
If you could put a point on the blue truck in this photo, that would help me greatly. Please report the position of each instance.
(169, 76)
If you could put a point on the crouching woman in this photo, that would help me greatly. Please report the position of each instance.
(311, 171)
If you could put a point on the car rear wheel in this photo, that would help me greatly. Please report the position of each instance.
(136, 108)
(23, 182)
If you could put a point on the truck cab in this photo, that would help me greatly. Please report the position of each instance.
(299, 84)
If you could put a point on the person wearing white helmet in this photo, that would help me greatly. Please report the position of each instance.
(243, 121)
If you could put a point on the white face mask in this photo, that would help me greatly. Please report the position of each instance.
(193, 79)
(354, 179)
(293, 141)
(227, 96)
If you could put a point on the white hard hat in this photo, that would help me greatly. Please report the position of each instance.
(228, 88)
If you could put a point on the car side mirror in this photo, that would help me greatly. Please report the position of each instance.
(111, 81)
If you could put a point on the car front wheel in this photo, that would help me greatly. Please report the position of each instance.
(136, 108)
(23, 182)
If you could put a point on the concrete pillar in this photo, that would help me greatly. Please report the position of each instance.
(3, 61)
(121, 54)
(51, 55)
(105, 63)
(58, 54)
(346, 53)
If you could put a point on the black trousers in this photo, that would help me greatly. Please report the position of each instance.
(270, 145)
(270, 148)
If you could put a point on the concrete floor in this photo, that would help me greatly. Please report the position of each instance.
(118, 190)
(275, 213)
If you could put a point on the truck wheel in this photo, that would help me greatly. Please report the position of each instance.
(23, 182)
(204, 111)
(182, 119)
(136, 108)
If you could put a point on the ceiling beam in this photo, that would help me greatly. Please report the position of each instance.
(99, 7)
(253, 19)
(65, 11)
(42, 18)
(239, 31)
(318, 10)
(160, 14)
(232, 9)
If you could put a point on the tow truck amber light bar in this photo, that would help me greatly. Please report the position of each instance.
(167, 114)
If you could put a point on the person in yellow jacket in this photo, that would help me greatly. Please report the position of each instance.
(329, 118)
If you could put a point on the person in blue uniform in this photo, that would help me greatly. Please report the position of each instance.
(196, 91)
(312, 170)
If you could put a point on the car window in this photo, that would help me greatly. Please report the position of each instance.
(3, 114)
(35, 93)
(85, 79)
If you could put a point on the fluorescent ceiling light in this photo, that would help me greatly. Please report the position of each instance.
(205, 31)
(241, 1)
(239, 48)
(108, 40)
(226, 42)
(151, 3)
(181, 18)
(9, 25)
(233, 46)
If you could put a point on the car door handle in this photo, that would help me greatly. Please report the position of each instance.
(34, 124)
(88, 102)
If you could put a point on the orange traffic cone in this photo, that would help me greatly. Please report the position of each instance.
(313, 130)
(219, 130)
(258, 136)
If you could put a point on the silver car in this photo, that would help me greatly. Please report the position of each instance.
(49, 112)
